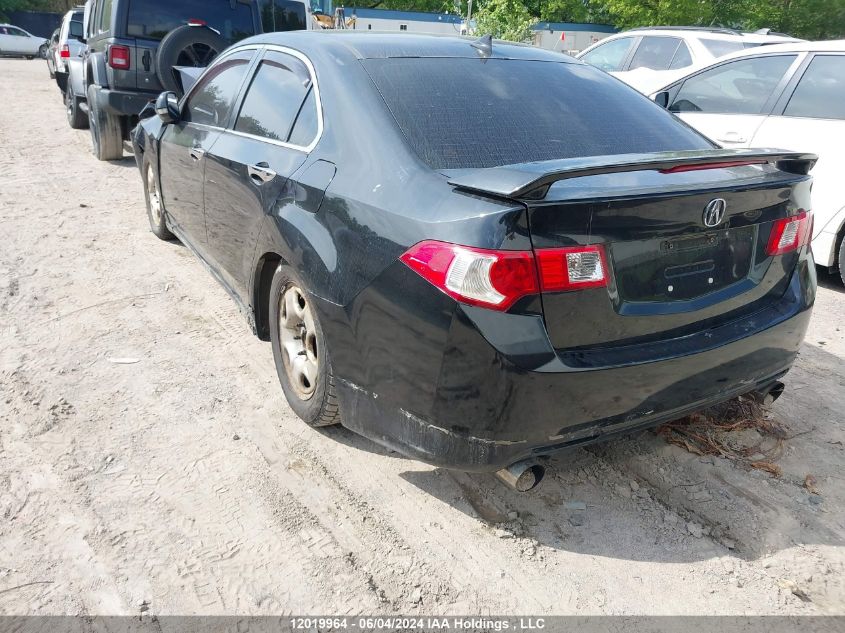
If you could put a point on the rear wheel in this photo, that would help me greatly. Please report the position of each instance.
(106, 132)
(299, 350)
(842, 258)
(76, 118)
(155, 208)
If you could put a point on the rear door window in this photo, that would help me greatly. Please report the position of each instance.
(153, 19)
(210, 103)
(682, 57)
(738, 87)
(469, 112)
(105, 16)
(283, 15)
(274, 97)
(821, 92)
(610, 56)
(655, 53)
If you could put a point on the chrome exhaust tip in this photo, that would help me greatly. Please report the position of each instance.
(522, 476)
(771, 393)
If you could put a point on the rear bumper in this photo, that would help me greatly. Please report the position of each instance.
(480, 409)
(123, 103)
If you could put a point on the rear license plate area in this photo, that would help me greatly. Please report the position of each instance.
(687, 267)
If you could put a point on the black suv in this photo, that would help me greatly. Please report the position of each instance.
(133, 47)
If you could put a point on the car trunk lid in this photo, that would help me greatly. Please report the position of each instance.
(684, 237)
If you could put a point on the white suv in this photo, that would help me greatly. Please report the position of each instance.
(648, 58)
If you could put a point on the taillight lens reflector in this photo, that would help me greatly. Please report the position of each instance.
(720, 165)
(119, 57)
(563, 269)
(496, 279)
(65, 52)
(790, 234)
(487, 278)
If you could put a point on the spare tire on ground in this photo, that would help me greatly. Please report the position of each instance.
(194, 46)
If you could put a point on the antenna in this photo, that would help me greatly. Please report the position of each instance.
(484, 45)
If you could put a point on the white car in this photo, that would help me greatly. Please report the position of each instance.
(14, 41)
(789, 96)
(648, 58)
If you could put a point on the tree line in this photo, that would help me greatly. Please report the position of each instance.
(808, 19)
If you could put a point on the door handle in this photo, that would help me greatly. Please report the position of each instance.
(196, 153)
(260, 173)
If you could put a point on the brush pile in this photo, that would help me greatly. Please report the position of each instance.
(739, 430)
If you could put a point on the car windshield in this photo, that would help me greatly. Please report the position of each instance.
(153, 19)
(468, 113)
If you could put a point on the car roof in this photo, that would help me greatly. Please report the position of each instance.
(791, 47)
(376, 45)
(695, 32)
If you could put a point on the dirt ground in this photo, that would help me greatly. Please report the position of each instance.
(148, 461)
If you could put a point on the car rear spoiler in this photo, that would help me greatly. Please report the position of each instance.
(532, 180)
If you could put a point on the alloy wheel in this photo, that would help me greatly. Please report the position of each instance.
(155, 199)
(298, 338)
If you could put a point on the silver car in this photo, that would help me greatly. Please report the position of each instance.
(15, 42)
(70, 46)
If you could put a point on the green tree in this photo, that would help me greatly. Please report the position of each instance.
(504, 20)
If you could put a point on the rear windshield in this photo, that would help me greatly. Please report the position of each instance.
(718, 48)
(153, 19)
(471, 113)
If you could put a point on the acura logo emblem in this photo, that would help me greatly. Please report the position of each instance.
(714, 212)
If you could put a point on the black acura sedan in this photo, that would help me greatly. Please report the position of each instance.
(478, 253)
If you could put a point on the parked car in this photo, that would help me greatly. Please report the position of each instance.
(136, 49)
(52, 53)
(15, 42)
(647, 58)
(70, 46)
(790, 95)
(588, 266)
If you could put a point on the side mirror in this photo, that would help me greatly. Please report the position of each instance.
(662, 99)
(167, 107)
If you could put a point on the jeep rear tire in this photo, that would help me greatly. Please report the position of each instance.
(76, 118)
(106, 131)
(194, 46)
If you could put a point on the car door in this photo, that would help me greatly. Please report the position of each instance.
(655, 57)
(729, 101)
(19, 41)
(811, 117)
(249, 165)
(204, 114)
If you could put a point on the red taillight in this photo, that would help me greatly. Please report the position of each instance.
(486, 278)
(65, 52)
(790, 234)
(197, 22)
(496, 279)
(119, 57)
(574, 268)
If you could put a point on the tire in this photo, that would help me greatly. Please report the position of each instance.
(186, 46)
(106, 132)
(292, 312)
(841, 260)
(155, 207)
(42, 51)
(76, 118)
